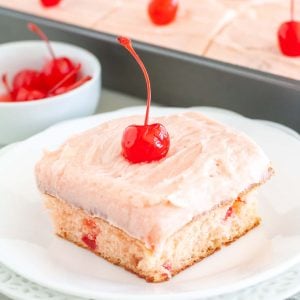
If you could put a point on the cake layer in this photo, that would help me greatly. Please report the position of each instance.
(208, 164)
(195, 241)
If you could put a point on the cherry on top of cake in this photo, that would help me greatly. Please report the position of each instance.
(50, 3)
(289, 34)
(148, 142)
(162, 12)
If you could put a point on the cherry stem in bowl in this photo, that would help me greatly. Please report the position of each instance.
(69, 75)
(6, 85)
(38, 31)
(126, 43)
(80, 82)
(73, 86)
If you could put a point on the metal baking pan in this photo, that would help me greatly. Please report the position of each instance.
(178, 79)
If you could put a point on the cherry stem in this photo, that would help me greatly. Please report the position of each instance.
(6, 85)
(78, 83)
(68, 76)
(292, 9)
(126, 43)
(38, 31)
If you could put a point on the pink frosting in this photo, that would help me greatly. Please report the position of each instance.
(208, 164)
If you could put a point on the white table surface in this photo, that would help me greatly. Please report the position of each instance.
(110, 101)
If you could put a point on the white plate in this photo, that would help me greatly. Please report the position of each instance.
(278, 288)
(28, 246)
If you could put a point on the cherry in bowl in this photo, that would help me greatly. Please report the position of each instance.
(19, 120)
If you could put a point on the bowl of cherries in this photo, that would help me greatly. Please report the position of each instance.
(42, 83)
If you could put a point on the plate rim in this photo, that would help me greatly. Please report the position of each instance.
(13, 293)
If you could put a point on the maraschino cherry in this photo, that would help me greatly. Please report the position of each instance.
(58, 67)
(289, 35)
(148, 142)
(27, 78)
(28, 92)
(5, 98)
(57, 76)
(162, 12)
(50, 3)
(61, 83)
(60, 88)
(7, 87)
(23, 93)
(8, 96)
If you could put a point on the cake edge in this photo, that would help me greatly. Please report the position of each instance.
(144, 262)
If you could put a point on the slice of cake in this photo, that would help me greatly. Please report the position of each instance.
(155, 219)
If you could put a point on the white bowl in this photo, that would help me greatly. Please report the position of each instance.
(19, 120)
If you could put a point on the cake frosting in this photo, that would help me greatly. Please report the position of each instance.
(250, 38)
(196, 24)
(208, 164)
